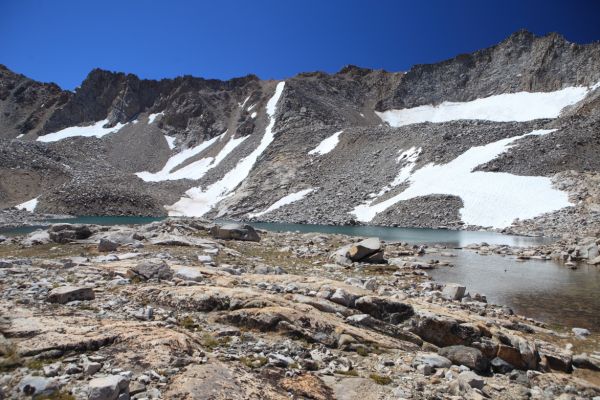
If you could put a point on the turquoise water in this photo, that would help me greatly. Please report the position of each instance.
(81, 220)
(411, 235)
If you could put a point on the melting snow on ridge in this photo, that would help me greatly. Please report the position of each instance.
(289, 199)
(198, 202)
(28, 205)
(152, 117)
(327, 144)
(489, 198)
(196, 169)
(96, 130)
(522, 106)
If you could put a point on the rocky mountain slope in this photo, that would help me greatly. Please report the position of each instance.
(445, 144)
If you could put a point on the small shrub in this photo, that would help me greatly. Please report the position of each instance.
(381, 379)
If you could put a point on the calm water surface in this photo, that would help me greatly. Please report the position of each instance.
(544, 290)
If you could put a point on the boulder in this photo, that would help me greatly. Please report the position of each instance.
(364, 249)
(467, 356)
(432, 359)
(151, 270)
(453, 291)
(471, 379)
(594, 261)
(500, 366)
(65, 233)
(189, 274)
(235, 232)
(341, 296)
(37, 386)
(581, 333)
(443, 331)
(107, 245)
(586, 362)
(108, 387)
(384, 308)
(65, 294)
(554, 358)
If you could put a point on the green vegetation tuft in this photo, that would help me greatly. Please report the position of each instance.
(381, 379)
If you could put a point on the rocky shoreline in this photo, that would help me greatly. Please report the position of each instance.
(182, 308)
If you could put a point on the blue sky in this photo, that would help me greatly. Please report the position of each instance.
(61, 41)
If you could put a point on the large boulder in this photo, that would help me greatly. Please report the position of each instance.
(364, 249)
(37, 387)
(367, 251)
(65, 294)
(444, 331)
(150, 270)
(467, 356)
(453, 291)
(384, 308)
(108, 387)
(235, 232)
(65, 233)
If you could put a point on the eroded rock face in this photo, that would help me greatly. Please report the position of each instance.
(444, 331)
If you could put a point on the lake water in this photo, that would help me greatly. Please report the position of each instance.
(545, 290)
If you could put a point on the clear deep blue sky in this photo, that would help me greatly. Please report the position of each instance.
(61, 41)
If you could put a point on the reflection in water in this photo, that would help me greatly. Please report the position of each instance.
(544, 290)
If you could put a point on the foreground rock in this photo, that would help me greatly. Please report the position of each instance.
(273, 319)
(66, 294)
(235, 232)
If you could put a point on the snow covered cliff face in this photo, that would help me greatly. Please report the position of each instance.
(475, 140)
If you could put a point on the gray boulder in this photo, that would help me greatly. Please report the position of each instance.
(150, 270)
(37, 386)
(107, 245)
(467, 356)
(471, 380)
(341, 296)
(65, 233)
(453, 291)
(65, 294)
(108, 387)
(384, 308)
(235, 232)
(364, 248)
(431, 359)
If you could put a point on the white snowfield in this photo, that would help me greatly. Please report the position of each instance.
(28, 205)
(326, 145)
(289, 199)
(194, 170)
(198, 201)
(522, 106)
(490, 199)
(87, 131)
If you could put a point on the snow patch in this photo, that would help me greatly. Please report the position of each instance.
(96, 130)
(491, 199)
(170, 141)
(327, 144)
(253, 115)
(522, 106)
(29, 205)
(152, 117)
(165, 174)
(198, 202)
(289, 199)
